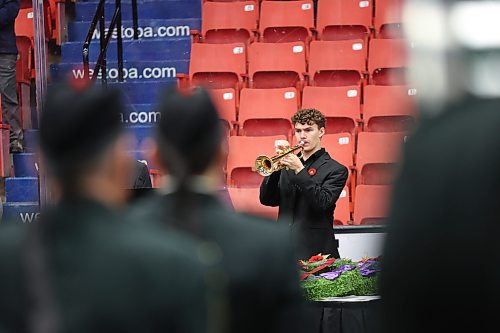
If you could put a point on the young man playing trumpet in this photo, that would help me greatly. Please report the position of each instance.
(308, 188)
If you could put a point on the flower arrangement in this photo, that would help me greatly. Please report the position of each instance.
(322, 277)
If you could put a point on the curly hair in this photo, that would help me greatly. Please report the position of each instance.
(309, 117)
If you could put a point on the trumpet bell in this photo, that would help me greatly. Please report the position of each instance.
(264, 165)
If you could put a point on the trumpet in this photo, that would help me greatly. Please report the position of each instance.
(265, 165)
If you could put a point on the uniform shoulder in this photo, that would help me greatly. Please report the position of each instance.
(254, 226)
(12, 235)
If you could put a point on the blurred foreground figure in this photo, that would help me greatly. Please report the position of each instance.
(83, 267)
(257, 275)
(441, 271)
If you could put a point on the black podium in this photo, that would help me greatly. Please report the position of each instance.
(355, 314)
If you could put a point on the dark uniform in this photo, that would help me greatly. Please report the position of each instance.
(307, 201)
(263, 293)
(83, 267)
(440, 267)
(255, 272)
(106, 275)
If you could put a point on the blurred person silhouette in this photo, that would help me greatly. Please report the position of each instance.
(440, 262)
(8, 57)
(257, 267)
(84, 267)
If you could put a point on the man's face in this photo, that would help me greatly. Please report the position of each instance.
(310, 135)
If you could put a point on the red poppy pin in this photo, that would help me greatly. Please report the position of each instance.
(312, 171)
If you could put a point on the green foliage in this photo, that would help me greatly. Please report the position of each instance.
(348, 283)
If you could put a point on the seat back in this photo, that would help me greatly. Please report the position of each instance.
(371, 205)
(241, 159)
(344, 19)
(265, 112)
(286, 21)
(377, 157)
(340, 105)
(388, 18)
(24, 24)
(342, 214)
(389, 108)
(337, 63)
(387, 61)
(24, 60)
(229, 22)
(276, 65)
(217, 66)
(340, 147)
(225, 102)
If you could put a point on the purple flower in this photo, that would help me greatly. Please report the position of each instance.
(367, 272)
(347, 268)
(331, 275)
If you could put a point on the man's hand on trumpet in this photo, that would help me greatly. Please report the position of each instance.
(292, 162)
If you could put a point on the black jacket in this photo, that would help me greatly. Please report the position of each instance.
(8, 13)
(257, 262)
(442, 242)
(307, 201)
(142, 179)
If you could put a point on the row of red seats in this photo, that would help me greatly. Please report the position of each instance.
(261, 112)
(279, 65)
(371, 158)
(286, 21)
(372, 166)
(370, 207)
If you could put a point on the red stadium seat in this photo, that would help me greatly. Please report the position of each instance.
(225, 101)
(341, 148)
(246, 200)
(276, 65)
(24, 72)
(286, 21)
(342, 214)
(377, 157)
(340, 105)
(265, 112)
(389, 108)
(229, 22)
(371, 205)
(243, 151)
(217, 66)
(337, 63)
(388, 18)
(25, 60)
(24, 23)
(387, 61)
(344, 19)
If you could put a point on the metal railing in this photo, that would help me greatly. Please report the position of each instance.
(104, 38)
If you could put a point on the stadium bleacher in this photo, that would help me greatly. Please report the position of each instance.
(262, 63)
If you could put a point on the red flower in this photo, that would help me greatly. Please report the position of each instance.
(315, 258)
(312, 171)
